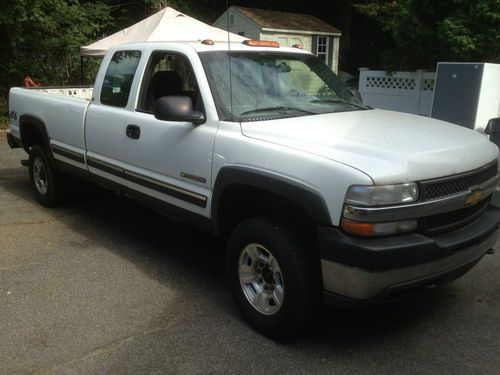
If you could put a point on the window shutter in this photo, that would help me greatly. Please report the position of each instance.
(314, 47)
(330, 52)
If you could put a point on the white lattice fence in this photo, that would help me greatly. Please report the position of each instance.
(410, 92)
(397, 83)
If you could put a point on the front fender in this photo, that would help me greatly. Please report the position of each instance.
(304, 196)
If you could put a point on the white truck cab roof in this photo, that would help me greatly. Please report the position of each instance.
(199, 46)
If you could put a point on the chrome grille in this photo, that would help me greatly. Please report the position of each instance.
(453, 219)
(442, 187)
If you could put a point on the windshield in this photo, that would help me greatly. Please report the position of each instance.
(267, 85)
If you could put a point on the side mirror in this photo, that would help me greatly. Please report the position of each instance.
(177, 108)
(493, 126)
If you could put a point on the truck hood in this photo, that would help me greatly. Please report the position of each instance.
(390, 147)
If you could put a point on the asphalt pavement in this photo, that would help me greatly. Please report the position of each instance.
(103, 285)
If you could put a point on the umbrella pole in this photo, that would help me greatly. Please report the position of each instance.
(81, 71)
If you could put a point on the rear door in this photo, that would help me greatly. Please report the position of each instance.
(108, 115)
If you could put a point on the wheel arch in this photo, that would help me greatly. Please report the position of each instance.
(32, 130)
(234, 185)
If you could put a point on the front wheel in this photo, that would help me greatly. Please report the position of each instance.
(273, 277)
(46, 181)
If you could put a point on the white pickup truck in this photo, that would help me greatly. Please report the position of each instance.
(319, 198)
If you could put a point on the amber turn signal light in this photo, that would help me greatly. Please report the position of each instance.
(260, 43)
(357, 228)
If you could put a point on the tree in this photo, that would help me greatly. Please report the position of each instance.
(42, 38)
(424, 32)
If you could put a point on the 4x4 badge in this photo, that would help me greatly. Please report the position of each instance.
(473, 198)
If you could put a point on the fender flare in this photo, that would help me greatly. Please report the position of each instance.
(40, 125)
(304, 196)
(37, 123)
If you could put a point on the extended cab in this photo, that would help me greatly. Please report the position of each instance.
(319, 197)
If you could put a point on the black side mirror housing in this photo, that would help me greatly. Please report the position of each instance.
(177, 108)
(493, 130)
(493, 126)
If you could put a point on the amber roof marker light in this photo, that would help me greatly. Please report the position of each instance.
(208, 42)
(261, 43)
(299, 46)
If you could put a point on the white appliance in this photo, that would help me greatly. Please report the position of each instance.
(467, 94)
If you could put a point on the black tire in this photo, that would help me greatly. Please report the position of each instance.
(50, 193)
(300, 275)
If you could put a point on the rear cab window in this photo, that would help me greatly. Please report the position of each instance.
(119, 77)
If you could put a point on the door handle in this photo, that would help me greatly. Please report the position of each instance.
(133, 131)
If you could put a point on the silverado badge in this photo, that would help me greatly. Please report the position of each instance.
(193, 177)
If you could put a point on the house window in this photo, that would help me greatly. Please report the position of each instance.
(231, 19)
(322, 48)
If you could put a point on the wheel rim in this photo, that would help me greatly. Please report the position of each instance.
(261, 279)
(39, 175)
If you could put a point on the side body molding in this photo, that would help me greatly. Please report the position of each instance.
(307, 198)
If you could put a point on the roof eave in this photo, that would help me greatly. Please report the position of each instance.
(300, 31)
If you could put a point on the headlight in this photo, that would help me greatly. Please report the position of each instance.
(382, 195)
(378, 196)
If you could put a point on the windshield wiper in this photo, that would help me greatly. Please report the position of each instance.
(275, 109)
(338, 100)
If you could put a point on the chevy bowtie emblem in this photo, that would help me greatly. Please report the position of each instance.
(473, 198)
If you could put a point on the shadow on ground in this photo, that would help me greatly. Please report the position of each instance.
(156, 245)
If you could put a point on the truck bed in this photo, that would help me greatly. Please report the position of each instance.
(84, 92)
(61, 109)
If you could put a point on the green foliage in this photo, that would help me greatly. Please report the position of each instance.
(42, 38)
(427, 31)
(4, 112)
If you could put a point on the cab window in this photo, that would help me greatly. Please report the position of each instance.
(168, 73)
(118, 79)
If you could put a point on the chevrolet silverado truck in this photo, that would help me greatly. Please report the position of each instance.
(319, 198)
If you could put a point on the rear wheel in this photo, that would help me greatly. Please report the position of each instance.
(47, 183)
(273, 277)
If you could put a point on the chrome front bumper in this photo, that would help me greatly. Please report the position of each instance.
(367, 270)
(357, 283)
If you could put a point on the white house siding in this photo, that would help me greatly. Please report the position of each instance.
(241, 25)
(250, 29)
(288, 40)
